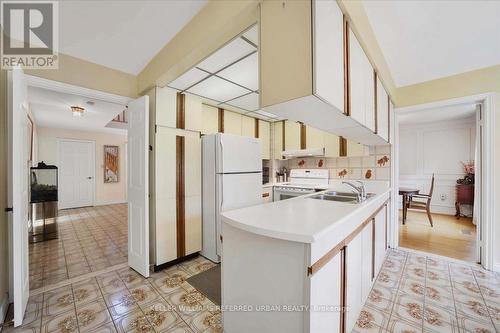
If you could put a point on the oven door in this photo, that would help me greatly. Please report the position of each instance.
(283, 193)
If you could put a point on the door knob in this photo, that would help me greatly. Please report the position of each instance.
(89, 177)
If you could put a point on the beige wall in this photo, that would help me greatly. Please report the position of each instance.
(104, 193)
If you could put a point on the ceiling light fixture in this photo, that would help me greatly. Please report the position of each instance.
(77, 111)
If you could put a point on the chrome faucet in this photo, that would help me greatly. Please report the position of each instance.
(360, 190)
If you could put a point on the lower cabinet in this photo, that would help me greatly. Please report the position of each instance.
(267, 194)
(177, 229)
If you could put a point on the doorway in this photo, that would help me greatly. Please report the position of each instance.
(445, 139)
(76, 173)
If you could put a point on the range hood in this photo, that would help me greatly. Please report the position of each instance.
(314, 152)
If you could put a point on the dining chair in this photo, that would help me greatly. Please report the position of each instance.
(423, 201)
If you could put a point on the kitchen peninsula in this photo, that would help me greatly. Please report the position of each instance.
(294, 264)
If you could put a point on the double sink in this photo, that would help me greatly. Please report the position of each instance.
(348, 197)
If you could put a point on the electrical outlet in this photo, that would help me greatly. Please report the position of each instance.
(443, 197)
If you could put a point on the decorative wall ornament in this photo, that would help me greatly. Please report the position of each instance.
(368, 174)
(320, 163)
(343, 173)
(111, 164)
(382, 161)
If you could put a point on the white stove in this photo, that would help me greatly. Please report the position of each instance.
(302, 182)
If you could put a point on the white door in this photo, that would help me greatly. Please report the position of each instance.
(138, 185)
(18, 191)
(236, 191)
(76, 173)
(238, 154)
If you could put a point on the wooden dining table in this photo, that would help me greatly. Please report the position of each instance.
(407, 192)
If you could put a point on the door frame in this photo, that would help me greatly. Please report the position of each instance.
(488, 212)
(58, 159)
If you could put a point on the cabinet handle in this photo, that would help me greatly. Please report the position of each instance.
(265, 195)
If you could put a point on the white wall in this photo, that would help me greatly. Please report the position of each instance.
(105, 193)
(436, 148)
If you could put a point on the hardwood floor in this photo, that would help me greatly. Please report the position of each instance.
(449, 237)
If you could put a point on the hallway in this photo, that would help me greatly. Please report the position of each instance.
(90, 239)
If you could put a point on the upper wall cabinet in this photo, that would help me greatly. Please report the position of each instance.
(303, 57)
(382, 111)
(210, 119)
(362, 86)
(292, 135)
(265, 137)
(177, 110)
(278, 142)
(232, 122)
(248, 126)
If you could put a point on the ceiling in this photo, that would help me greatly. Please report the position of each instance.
(446, 113)
(426, 40)
(52, 109)
(228, 78)
(124, 35)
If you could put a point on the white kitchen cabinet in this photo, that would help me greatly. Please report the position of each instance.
(165, 228)
(210, 119)
(367, 269)
(166, 107)
(382, 111)
(328, 52)
(265, 138)
(292, 135)
(362, 86)
(193, 119)
(332, 144)
(232, 122)
(314, 138)
(355, 149)
(354, 280)
(247, 126)
(380, 238)
(278, 139)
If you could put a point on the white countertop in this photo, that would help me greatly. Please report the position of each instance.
(300, 219)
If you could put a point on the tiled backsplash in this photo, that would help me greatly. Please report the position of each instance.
(375, 166)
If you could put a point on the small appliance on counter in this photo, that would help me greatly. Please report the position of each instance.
(302, 182)
(232, 179)
(43, 203)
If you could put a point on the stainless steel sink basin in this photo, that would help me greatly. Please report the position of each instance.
(340, 196)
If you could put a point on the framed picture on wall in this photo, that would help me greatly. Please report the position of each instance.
(111, 164)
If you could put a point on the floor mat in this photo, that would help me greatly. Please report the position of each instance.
(208, 283)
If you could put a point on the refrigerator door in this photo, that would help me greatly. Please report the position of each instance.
(238, 154)
(236, 191)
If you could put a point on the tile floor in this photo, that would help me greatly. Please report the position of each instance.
(124, 301)
(90, 239)
(414, 293)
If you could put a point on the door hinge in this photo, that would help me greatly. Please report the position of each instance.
(9, 209)
(150, 148)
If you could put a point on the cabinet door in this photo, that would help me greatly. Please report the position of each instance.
(247, 126)
(326, 290)
(382, 112)
(265, 138)
(354, 281)
(192, 191)
(278, 139)
(356, 149)
(210, 119)
(292, 135)
(232, 122)
(380, 238)
(367, 269)
(166, 111)
(332, 144)
(193, 113)
(314, 138)
(328, 50)
(362, 85)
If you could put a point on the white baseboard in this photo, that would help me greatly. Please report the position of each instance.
(4, 306)
(110, 202)
(496, 267)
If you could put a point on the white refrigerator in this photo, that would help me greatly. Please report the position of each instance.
(232, 178)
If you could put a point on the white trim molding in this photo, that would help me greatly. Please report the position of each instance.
(488, 213)
(110, 202)
(38, 82)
